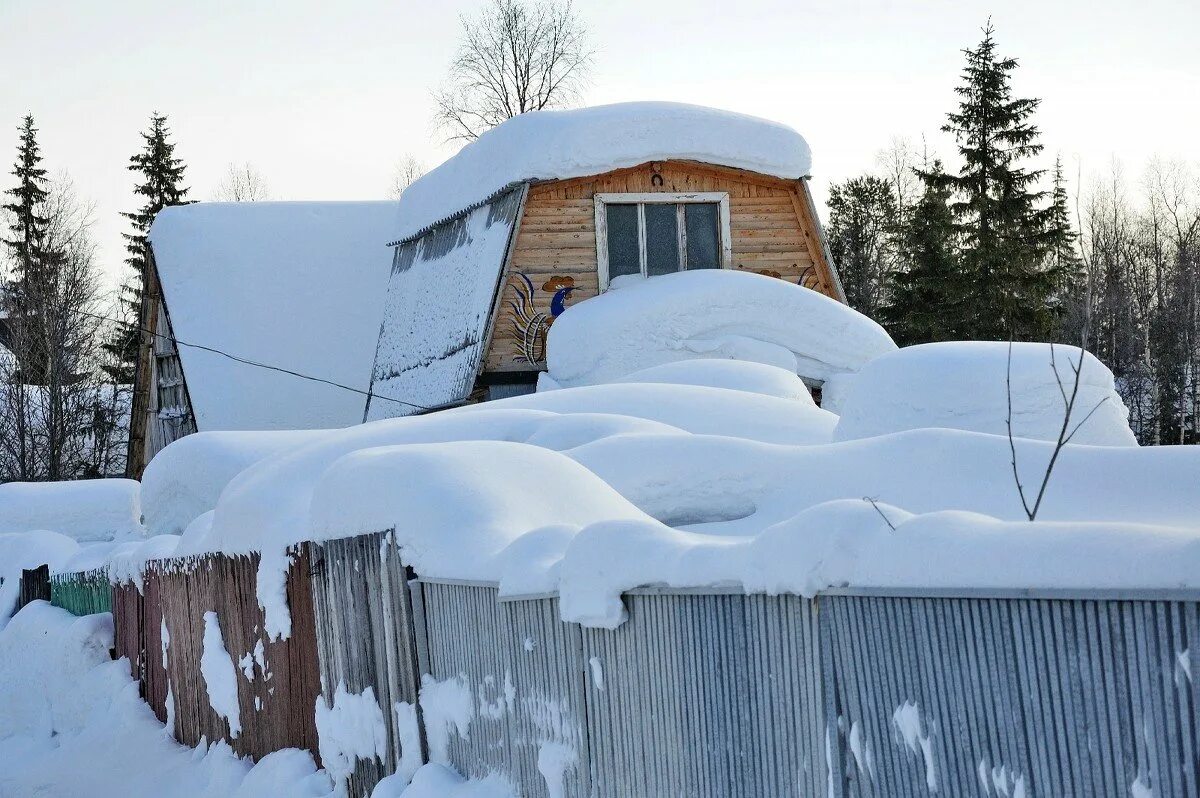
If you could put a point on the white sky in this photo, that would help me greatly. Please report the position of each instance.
(324, 97)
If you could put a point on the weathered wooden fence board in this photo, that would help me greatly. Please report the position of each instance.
(365, 639)
(277, 679)
(35, 586)
(82, 593)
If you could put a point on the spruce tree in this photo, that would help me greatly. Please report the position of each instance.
(928, 301)
(1063, 267)
(996, 202)
(161, 179)
(36, 261)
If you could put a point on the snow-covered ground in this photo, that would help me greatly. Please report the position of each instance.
(697, 460)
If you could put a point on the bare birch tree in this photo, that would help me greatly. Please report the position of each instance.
(57, 418)
(516, 56)
(242, 183)
(408, 171)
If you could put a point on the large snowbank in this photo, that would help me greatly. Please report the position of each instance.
(697, 409)
(72, 723)
(734, 375)
(962, 385)
(455, 507)
(298, 285)
(267, 507)
(548, 145)
(186, 478)
(711, 313)
(86, 510)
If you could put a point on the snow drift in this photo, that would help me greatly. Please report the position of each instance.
(86, 510)
(713, 313)
(186, 478)
(962, 385)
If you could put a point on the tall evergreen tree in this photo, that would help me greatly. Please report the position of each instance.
(928, 297)
(161, 176)
(1062, 265)
(996, 203)
(36, 261)
(862, 227)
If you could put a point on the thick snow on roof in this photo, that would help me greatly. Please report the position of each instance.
(713, 313)
(963, 385)
(85, 510)
(547, 145)
(298, 285)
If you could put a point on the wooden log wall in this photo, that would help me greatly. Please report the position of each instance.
(366, 639)
(82, 593)
(773, 230)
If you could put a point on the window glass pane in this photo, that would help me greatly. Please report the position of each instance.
(702, 222)
(662, 239)
(623, 257)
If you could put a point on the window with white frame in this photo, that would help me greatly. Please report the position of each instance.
(652, 234)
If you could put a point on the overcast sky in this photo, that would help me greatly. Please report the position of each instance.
(325, 97)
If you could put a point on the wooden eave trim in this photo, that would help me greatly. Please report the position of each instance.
(730, 172)
(818, 249)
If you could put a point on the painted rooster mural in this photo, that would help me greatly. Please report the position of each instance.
(529, 323)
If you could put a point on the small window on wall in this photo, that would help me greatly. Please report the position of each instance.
(652, 234)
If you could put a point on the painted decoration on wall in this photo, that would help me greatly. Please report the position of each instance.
(530, 324)
(808, 277)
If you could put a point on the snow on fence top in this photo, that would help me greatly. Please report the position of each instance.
(964, 385)
(299, 285)
(713, 313)
(549, 145)
(84, 510)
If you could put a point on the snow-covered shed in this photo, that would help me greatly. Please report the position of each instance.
(289, 287)
(553, 207)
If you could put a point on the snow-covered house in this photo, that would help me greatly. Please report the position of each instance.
(252, 291)
(541, 213)
(551, 208)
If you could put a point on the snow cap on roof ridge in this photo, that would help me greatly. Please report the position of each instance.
(550, 145)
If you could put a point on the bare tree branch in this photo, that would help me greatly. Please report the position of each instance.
(516, 56)
(242, 183)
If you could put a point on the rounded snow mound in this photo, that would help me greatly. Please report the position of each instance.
(964, 385)
(84, 510)
(709, 314)
(734, 375)
(185, 479)
(456, 506)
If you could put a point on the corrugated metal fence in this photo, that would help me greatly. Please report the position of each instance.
(700, 692)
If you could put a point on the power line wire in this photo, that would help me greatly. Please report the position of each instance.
(257, 364)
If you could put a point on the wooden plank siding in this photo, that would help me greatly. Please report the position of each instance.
(159, 375)
(772, 230)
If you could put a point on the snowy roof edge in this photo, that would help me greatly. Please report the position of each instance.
(459, 213)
